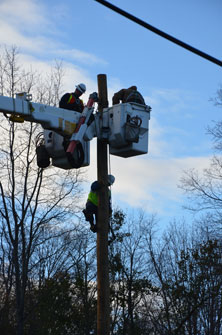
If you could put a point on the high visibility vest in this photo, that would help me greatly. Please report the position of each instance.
(79, 103)
(71, 99)
(93, 197)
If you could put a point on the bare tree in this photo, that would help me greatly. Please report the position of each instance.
(48, 89)
(186, 282)
(218, 99)
(203, 189)
(130, 278)
(32, 199)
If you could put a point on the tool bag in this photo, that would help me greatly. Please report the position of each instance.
(43, 159)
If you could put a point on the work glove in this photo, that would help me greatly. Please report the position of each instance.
(94, 96)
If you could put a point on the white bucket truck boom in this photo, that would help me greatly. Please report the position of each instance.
(67, 133)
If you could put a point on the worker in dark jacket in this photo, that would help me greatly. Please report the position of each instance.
(91, 209)
(71, 101)
(128, 95)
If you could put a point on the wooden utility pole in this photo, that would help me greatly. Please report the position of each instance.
(103, 300)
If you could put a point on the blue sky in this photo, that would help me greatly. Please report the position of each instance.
(91, 39)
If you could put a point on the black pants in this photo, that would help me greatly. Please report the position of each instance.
(91, 212)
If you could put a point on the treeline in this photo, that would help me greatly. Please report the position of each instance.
(160, 283)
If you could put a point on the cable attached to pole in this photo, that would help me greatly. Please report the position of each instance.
(110, 225)
(109, 172)
(159, 32)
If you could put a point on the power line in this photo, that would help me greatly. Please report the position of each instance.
(161, 33)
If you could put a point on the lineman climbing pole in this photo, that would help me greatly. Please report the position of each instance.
(103, 301)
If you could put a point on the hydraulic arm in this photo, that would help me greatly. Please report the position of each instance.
(67, 134)
(22, 109)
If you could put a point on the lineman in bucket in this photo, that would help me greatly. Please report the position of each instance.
(72, 100)
(91, 210)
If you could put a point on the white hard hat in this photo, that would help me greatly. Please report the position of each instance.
(111, 179)
(81, 87)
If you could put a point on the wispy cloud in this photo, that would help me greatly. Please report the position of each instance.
(23, 14)
(172, 101)
(81, 56)
(10, 35)
(30, 28)
(147, 182)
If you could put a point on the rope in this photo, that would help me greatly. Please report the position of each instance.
(109, 172)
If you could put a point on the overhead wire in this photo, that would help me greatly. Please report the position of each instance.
(160, 32)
